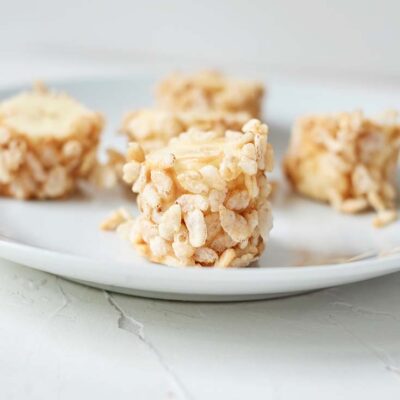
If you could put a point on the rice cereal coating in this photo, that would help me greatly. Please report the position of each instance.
(203, 200)
(153, 128)
(209, 90)
(47, 142)
(347, 160)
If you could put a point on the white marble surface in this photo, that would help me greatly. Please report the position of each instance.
(60, 340)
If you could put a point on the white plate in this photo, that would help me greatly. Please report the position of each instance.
(62, 237)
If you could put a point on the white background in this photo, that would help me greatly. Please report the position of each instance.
(357, 37)
(60, 340)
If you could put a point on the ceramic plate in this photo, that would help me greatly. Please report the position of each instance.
(311, 246)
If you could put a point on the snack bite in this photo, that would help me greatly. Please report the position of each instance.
(153, 128)
(209, 91)
(347, 160)
(203, 200)
(48, 141)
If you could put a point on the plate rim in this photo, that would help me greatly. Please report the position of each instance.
(207, 279)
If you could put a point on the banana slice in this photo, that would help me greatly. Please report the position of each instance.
(203, 199)
(48, 141)
(209, 90)
(153, 128)
(347, 160)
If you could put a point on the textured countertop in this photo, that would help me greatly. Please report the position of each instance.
(61, 340)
